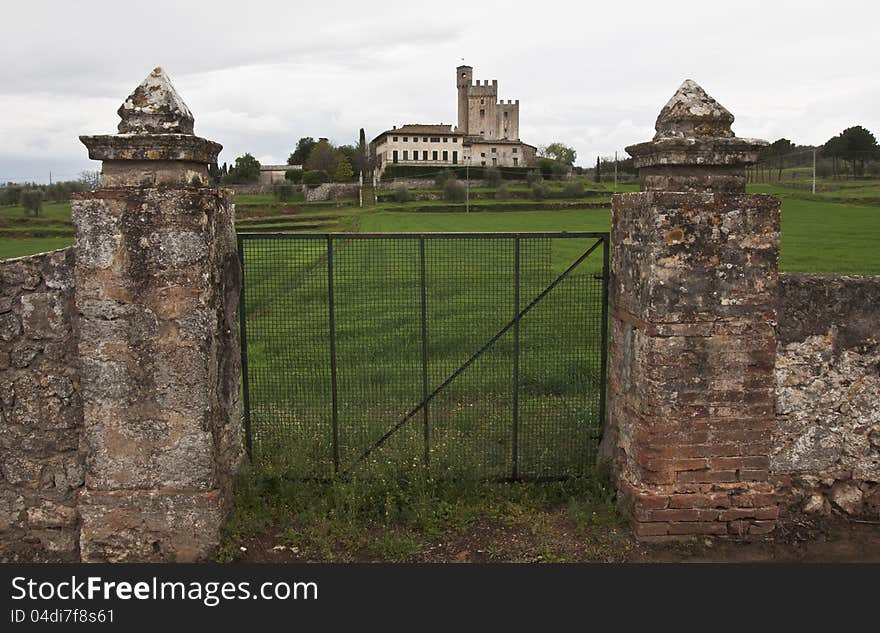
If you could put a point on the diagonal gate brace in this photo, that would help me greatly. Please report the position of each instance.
(391, 431)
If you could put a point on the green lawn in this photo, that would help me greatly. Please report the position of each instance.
(576, 220)
(839, 238)
(55, 211)
(828, 232)
(20, 247)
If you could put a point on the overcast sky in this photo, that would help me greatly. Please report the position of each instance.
(259, 75)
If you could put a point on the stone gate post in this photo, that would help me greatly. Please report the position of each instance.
(694, 281)
(157, 283)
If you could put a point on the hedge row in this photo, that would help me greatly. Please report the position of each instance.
(431, 171)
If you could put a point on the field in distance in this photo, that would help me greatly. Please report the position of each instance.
(835, 231)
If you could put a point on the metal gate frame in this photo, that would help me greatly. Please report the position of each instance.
(602, 239)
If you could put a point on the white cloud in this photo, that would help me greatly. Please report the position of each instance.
(257, 77)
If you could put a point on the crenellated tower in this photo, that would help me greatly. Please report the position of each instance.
(479, 111)
(463, 77)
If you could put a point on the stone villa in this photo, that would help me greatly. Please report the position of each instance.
(487, 134)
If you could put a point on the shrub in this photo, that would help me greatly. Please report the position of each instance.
(493, 177)
(402, 194)
(873, 168)
(454, 190)
(559, 170)
(539, 191)
(32, 200)
(824, 168)
(10, 194)
(534, 177)
(314, 177)
(441, 178)
(573, 189)
(553, 169)
(293, 175)
(477, 172)
(343, 172)
(284, 191)
(502, 193)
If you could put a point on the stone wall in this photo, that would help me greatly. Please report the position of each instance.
(41, 459)
(826, 448)
(428, 183)
(331, 191)
(251, 189)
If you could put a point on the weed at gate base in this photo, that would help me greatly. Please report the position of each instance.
(409, 517)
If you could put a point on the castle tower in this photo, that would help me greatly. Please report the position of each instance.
(463, 78)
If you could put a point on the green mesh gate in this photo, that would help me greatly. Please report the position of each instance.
(468, 354)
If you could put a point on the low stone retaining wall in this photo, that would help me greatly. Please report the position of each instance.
(331, 191)
(428, 183)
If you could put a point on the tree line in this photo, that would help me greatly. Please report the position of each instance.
(312, 162)
(852, 152)
(32, 195)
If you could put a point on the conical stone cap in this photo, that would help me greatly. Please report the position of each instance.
(157, 127)
(694, 148)
(692, 113)
(155, 108)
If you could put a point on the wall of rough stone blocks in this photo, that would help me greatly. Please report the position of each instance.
(825, 452)
(41, 456)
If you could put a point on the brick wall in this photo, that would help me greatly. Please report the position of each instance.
(692, 356)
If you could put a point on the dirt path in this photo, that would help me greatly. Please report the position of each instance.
(554, 537)
(839, 542)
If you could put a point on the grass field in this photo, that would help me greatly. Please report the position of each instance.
(836, 231)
